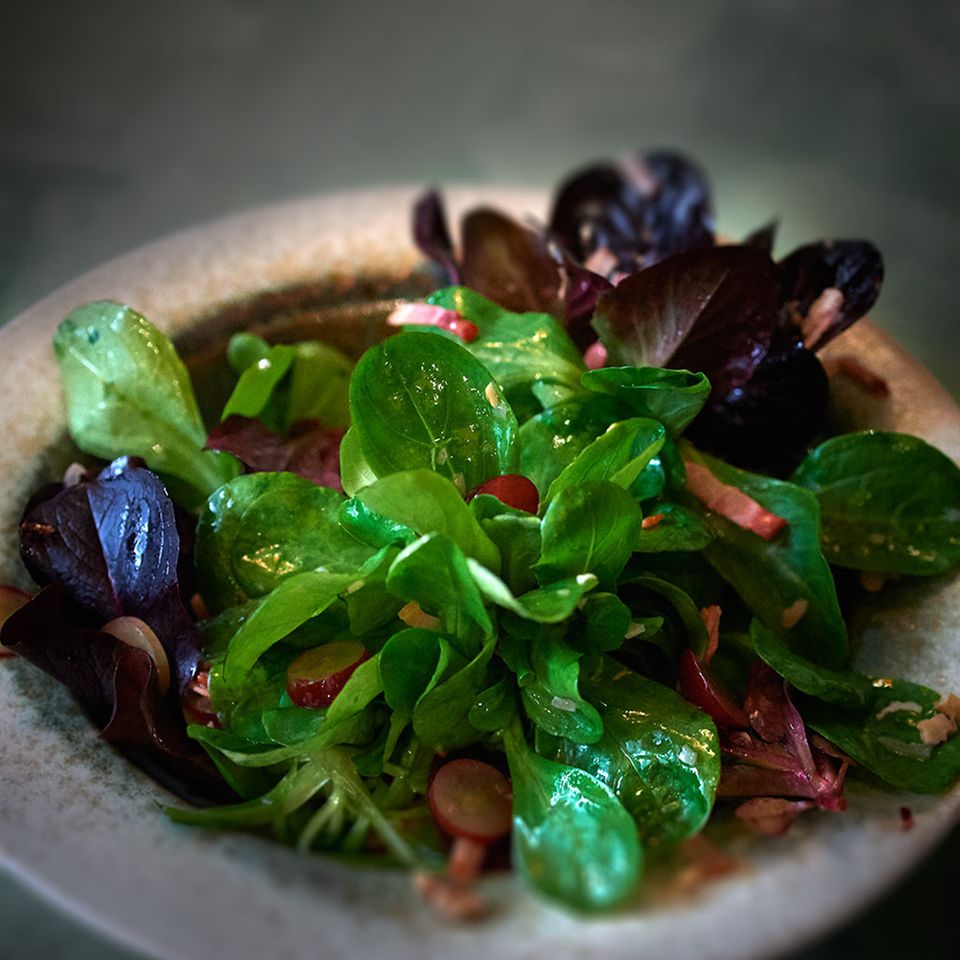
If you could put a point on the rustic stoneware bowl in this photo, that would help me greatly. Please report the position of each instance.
(80, 824)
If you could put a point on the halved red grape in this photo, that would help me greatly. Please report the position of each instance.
(11, 600)
(513, 489)
(316, 677)
(134, 632)
(471, 799)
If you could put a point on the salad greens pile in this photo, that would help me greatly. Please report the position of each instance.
(515, 507)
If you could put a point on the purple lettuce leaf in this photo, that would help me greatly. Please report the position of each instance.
(763, 238)
(766, 423)
(712, 310)
(775, 758)
(311, 449)
(432, 236)
(118, 687)
(853, 267)
(509, 263)
(112, 542)
(642, 210)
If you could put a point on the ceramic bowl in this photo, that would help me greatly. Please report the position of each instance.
(81, 824)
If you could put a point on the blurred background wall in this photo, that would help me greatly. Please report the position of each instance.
(123, 121)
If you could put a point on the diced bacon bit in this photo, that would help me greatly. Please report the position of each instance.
(413, 616)
(793, 614)
(772, 816)
(711, 620)
(852, 369)
(652, 520)
(731, 502)
(873, 580)
(428, 315)
(595, 356)
(949, 706)
(906, 818)
(705, 862)
(821, 316)
(450, 900)
(603, 261)
(936, 729)
(199, 607)
(452, 894)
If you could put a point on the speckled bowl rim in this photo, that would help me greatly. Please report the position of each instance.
(80, 825)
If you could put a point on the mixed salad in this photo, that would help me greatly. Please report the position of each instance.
(541, 580)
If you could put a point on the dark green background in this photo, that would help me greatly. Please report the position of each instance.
(123, 121)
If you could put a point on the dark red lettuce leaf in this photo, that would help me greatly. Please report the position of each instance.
(712, 310)
(854, 267)
(509, 263)
(775, 758)
(311, 450)
(113, 543)
(767, 423)
(251, 441)
(581, 293)
(763, 237)
(432, 236)
(118, 688)
(645, 209)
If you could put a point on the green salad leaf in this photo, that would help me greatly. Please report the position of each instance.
(129, 394)
(420, 401)
(888, 502)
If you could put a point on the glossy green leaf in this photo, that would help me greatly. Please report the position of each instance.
(519, 349)
(552, 440)
(408, 666)
(572, 838)
(261, 528)
(515, 534)
(294, 601)
(355, 472)
(682, 603)
(672, 397)
(588, 528)
(552, 697)
(319, 385)
(422, 401)
(773, 575)
(128, 393)
(603, 624)
(440, 718)
(679, 529)
(844, 687)
(257, 383)
(372, 528)
(659, 754)
(888, 502)
(618, 455)
(882, 736)
(433, 571)
(364, 685)
(549, 604)
(429, 503)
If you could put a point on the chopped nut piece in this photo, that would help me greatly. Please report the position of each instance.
(936, 729)
(793, 614)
